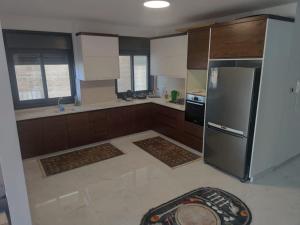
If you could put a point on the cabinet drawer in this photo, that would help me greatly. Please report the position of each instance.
(238, 40)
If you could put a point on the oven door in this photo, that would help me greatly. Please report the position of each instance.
(194, 112)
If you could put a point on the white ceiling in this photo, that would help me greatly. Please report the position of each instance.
(132, 12)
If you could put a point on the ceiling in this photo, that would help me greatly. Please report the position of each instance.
(132, 12)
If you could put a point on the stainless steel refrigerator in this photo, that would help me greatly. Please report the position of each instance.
(230, 115)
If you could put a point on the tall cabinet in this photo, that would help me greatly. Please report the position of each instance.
(268, 39)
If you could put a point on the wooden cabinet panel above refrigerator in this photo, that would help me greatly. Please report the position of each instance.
(169, 56)
(242, 38)
(198, 48)
(97, 57)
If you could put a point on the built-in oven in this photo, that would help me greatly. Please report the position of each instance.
(195, 108)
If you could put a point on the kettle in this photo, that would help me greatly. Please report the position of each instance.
(174, 95)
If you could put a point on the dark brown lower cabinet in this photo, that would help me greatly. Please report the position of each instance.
(99, 126)
(171, 122)
(51, 134)
(121, 121)
(55, 134)
(78, 129)
(31, 138)
(143, 115)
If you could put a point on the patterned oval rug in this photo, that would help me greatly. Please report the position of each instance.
(203, 206)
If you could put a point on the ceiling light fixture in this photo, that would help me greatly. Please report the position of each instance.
(156, 4)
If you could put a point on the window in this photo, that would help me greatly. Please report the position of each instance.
(39, 75)
(133, 73)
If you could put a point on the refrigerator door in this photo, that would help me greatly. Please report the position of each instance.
(229, 97)
(226, 152)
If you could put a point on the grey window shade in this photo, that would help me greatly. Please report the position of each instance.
(134, 45)
(37, 40)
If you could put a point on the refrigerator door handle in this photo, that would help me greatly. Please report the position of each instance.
(227, 129)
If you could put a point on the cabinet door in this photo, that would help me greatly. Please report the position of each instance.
(198, 48)
(238, 40)
(99, 125)
(98, 57)
(31, 138)
(167, 121)
(78, 129)
(143, 117)
(169, 56)
(55, 134)
(121, 121)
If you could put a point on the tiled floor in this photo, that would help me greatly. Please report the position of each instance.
(119, 191)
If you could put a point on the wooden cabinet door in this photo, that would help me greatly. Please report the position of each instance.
(121, 121)
(167, 121)
(31, 138)
(55, 134)
(169, 56)
(78, 129)
(198, 48)
(238, 39)
(142, 117)
(98, 57)
(99, 125)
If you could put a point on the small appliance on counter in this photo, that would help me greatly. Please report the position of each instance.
(195, 108)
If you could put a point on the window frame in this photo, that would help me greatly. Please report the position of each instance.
(119, 94)
(25, 104)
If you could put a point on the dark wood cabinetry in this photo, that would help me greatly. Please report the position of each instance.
(171, 122)
(242, 38)
(51, 134)
(198, 48)
(143, 115)
(78, 129)
(99, 125)
(121, 121)
(31, 138)
(55, 134)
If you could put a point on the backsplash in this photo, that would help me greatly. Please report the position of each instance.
(168, 84)
(93, 92)
(196, 80)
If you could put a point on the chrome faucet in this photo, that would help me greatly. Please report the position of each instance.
(60, 106)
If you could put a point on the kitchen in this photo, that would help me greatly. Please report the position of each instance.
(164, 94)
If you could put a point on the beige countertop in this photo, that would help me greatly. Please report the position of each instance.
(26, 114)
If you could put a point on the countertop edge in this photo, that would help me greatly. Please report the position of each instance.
(30, 114)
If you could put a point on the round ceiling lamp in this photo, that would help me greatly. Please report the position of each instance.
(156, 4)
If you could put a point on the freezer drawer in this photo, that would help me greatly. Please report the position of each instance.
(226, 152)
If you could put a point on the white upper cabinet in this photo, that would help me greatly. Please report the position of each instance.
(169, 56)
(98, 57)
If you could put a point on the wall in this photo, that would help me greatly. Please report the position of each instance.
(165, 83)
(268, 149)
(93, 92)
(10, 155)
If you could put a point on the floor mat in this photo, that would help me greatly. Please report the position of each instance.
(166, 151)
(71, 160)
(204, 206)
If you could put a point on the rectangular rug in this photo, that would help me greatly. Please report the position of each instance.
(166, 151)
(71, 160)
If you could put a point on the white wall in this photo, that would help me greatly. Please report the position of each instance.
(10, 156)
(268, 149)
